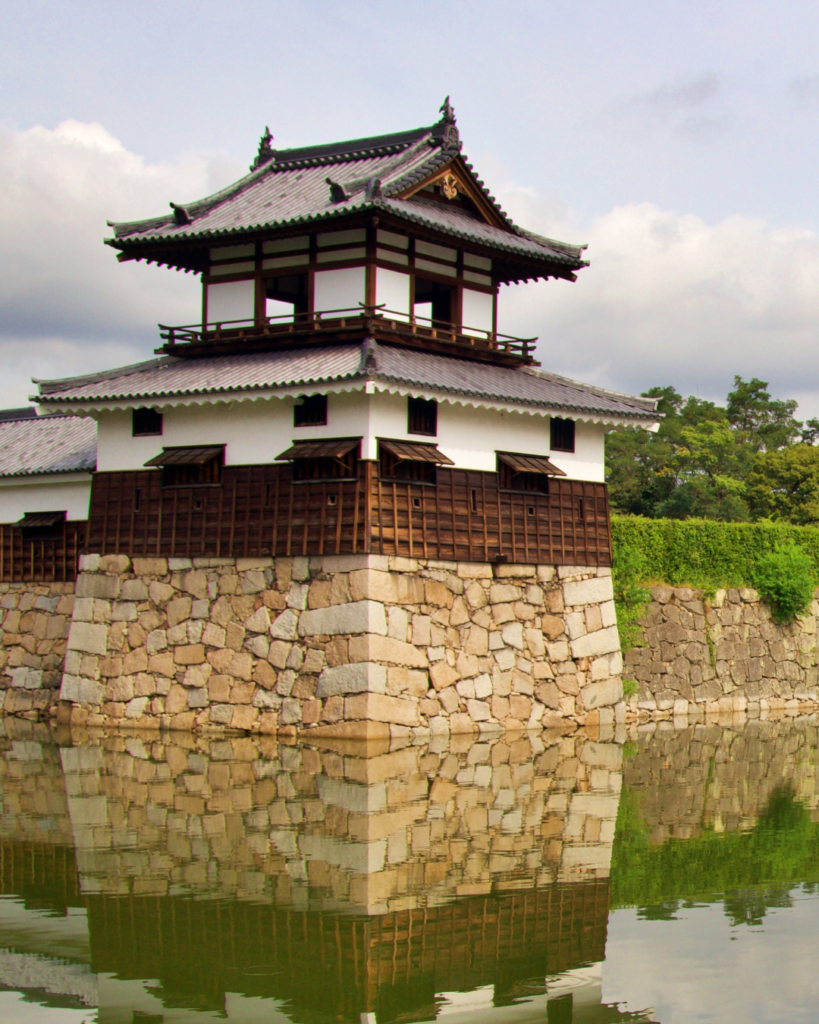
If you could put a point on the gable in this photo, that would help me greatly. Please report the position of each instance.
(455, 185)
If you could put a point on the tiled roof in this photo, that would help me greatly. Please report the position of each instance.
(291, 189)
(170, 376)
(47, 444)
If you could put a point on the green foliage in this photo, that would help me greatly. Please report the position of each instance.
(630, 687)
(702, 553)
(697, 463)
(784, 485)
(785, 578)
(748, 870)
(630, 596)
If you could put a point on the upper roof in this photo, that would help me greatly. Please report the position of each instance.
(170, 377)
(319, 184)
(32, 445)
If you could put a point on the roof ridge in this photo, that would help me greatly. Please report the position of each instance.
(648, 403)
(48, 387)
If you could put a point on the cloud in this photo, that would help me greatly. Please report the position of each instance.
(685, 108)
(669, 298)
(805, 88)
(682, 95)
(66, 305)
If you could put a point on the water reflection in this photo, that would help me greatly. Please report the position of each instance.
(546, 878)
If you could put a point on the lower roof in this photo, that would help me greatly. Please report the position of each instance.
(39, 445)
(171, 380)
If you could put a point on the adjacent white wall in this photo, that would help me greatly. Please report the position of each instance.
(392, 289)
(338, 289)
(233, 300)
(477, 311)
(256, 432)
(69, 491)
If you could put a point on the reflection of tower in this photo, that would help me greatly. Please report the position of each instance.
(468, 880)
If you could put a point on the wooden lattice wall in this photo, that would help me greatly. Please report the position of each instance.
(44, 560)
(258, 510)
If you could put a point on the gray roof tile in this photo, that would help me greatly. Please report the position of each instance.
(170, 376)
(47, 444)
(292, 189)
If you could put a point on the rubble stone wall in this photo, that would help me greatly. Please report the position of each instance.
(719, 654)
(343, 645)
(34, 624)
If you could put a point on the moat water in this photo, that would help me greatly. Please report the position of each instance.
(657, 874)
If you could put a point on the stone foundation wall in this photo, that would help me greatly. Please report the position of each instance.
(720, 655)
(34, 624)
(355, 645)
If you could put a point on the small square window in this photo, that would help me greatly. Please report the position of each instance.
(562, 435)
(422, 416)
(146, 423)
(311, 411)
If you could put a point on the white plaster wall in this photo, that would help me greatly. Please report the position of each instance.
(233, 300)
(392, 289)
(477, 311)
(258, 431)
(470, 436)
(45, 494)
(338, 289)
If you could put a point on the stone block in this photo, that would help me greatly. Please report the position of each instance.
(512, 634)
(356, 617)
(371, 584)
(221, 714)
(197, 698)
(372, 647)
(378, 707)
(478, 710)
(593, 591)
(90, 692)
(259, 621)
(358, 678)
(92, 638)
(443, 675)
(134, 708)
(593, 645)
(105, 587)
(190, 654)
(602, 694)
(150, 566)
(285, 626)
(89, 563)
(179, 610)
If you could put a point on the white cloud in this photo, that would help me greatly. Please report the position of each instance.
(66, 305)
(669, 299)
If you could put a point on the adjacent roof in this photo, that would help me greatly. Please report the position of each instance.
(415, 451)
(47, 444)
(36, 519)
(186, 456)
(290, 188)
(169, 377)
(332, 448)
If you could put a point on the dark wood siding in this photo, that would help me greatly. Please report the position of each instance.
(258, 510)
(47, 560)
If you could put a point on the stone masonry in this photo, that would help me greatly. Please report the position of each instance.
(34, 623)
(721, 654)
(345, 645)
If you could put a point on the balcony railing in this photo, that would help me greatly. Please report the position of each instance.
(375, 320)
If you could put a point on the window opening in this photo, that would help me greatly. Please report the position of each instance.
(512, 480)
(474, 500)
(416, 504)
(330, 459)
(422, 416)
(562, 432)
(434, 301)
(581, 509)
(137, 498)
(285, 296)
(190, 466)
(311, 411)
(332, 500)
(410, 461)
(146, 423)
(41, 525)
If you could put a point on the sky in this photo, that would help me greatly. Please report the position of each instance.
(679, 140)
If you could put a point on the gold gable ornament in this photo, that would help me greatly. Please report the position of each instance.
(449, 185)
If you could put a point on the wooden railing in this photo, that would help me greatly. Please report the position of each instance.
(45, 560)
(373, 319)
(259, 510)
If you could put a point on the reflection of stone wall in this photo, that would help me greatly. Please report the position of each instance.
(32, 786)
(354, 645)
(34, 621)
(721, 778)
(299, 827)
(722, 654)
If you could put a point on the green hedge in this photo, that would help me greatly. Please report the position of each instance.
(702, 552)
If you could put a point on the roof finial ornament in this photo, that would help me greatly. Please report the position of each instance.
(446, 130)
(180, 214)
(266, 152)
(338, 193)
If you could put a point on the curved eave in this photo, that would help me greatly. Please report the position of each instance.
(348, 383)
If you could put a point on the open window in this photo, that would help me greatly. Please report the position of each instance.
(310, 411)
(285, 296)
(41, 525)
(146, 423)
(411, 461)
(329, 459)
(422, 416)
(189, 466)
(562, 431)
(434, 301)
(528, 473)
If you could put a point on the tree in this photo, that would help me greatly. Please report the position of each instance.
(765, 424)
(785, 485)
